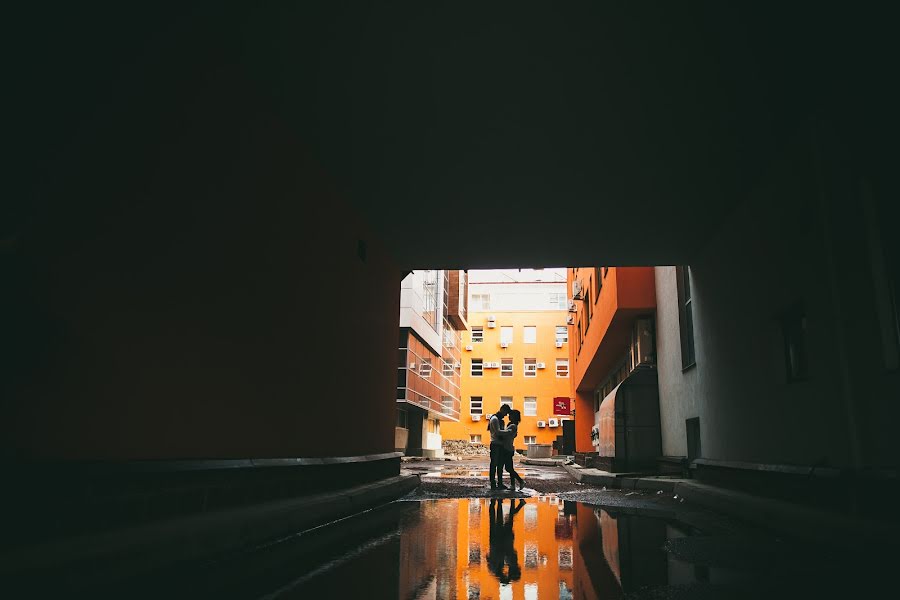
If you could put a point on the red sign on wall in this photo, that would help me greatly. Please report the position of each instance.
(562, 405)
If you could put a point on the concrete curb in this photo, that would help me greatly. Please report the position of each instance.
(133, 550)
(776, 515)
(544, 462)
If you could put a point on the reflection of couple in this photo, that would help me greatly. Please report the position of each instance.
(503, 448)
(502, 551)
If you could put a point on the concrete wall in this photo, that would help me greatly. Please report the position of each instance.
(412, 306)
(187, 283)
(799, 240)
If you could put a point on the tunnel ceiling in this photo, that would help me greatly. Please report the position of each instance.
(498, 134)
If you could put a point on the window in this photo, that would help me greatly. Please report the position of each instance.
(530, 334)
(475, 438)
(587, 306)
(562, 333)
(530, 406)
(475, 405)
(531, 439)
(477, 335)
(506, 367)
(562, 367)
(507, 400)
(558, 300)
(446, 405)
(449, 341)
(446, 369)
(477, 367)
(530, 367)
(506, 334)
(480, 302)
(425, 368)
(685, 317)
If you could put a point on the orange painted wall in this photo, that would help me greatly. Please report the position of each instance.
(491, 386)
(625, 293)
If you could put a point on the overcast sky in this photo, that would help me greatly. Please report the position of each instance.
(517, 275)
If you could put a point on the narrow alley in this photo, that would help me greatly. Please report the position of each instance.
(285, 283)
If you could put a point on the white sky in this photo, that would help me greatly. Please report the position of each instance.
(517, 275)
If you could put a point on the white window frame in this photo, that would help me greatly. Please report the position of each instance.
(506, 334)
(476, 405)
(532, 401)
(503, 401)
(530, 369)
(479, 372)
(425, 368)
(480, 302)
(562, 373)
(530, 439)
(562, 333)
(506, 367)
(526, 330)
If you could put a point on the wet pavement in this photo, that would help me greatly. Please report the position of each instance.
(455, 538)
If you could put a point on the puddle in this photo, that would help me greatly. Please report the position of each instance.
(531, 548)
(540, 547)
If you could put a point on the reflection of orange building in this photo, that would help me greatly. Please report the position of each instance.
(542, 540)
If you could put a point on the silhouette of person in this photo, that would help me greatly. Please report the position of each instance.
(502, 558)
(509, 449)
(495, 426)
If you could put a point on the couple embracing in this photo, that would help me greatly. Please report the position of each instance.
(503, 448)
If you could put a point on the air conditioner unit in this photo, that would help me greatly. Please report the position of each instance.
(470, 347)
(476, 417)
(577, 290)
(572, 307)
(541, 365)
(504, 344)
(559, 343)
(542, 424)
(553, 422)
(570, 320)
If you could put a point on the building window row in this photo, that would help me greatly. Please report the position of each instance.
(530, 366)
(529, 334)
(529, 405)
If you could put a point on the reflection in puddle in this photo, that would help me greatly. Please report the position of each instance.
(530, 548)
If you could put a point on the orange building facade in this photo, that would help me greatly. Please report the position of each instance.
(611, 322)
(517, 357)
